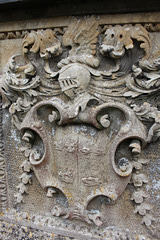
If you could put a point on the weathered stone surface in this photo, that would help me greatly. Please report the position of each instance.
(80, 128)
(17, 232)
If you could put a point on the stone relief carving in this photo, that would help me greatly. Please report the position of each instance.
(76, 233)
(3, 187)
(84, 98)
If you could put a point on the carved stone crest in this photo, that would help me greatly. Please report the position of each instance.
(83, 98)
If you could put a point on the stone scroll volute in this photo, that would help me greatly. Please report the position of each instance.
(83, 98)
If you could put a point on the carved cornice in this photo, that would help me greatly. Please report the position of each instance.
(19, 10)
(37, 24)
(150, 27)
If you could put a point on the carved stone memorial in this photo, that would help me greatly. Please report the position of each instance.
(80, 127)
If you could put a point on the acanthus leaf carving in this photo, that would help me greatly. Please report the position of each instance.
(42, 41)
(120, 38)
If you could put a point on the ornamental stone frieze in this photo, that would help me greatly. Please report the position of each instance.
(80, 126)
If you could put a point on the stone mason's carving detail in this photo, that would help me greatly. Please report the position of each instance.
(3, 180)
(84, 99)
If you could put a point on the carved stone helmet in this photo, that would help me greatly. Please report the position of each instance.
(74, 78)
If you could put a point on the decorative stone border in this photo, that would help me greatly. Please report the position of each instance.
(25, 25)
(3, 184)
(53, 225)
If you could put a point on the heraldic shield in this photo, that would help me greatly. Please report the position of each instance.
(75, 151)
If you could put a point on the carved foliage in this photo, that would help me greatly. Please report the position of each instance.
(118, 39)
(42, 41)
